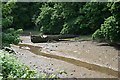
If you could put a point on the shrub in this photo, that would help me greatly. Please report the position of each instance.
(109, 31)
(12, 68)
(11, 36)
(98, 35)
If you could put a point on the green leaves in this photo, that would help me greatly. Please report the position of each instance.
(114, 8)
(52, 76)
(109, 31)
(50, 19)
(7, 19)
(13, 68)
(71, 18)
(11, 37)
(24, 15)
(7, 8)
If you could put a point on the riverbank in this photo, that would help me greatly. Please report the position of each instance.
(79, 51)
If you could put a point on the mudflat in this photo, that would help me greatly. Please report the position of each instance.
(80, 59)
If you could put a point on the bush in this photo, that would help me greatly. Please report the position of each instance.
(11, 36)
(98, 35)
(12, 68)
(7, 21)
(109, 31)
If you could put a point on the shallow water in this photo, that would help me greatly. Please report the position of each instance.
(94, 67)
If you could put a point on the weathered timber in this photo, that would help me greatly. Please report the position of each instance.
(45, 38)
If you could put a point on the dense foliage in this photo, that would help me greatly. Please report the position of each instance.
(12, 68)
(70, 14)
(72, 18)
(97, 18)
(61, 18)
(11, 36)
(50, 20)
(23, 13)
(114, 8)
(7, 19)
(109, 31)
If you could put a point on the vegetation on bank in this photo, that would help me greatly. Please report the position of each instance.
(10, 66)
(109, 31)
(102, 20)
(11, 36)
(82, 18)
(13, 68)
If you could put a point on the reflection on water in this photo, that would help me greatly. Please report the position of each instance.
(37, 49)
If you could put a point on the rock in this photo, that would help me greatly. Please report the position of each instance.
(51, 50)
(25, 47)
(51, 64)
(10, 50)
(74, 51)
(36, 66)
(30, 62)
(71, 74)
(73, 70)
(84, 74)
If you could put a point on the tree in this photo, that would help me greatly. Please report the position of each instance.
(23, 14)
(114, 8)
(7, 19)
(109, 31)
(70, 14)
(50, 20)
(94, 15)
(9, 36)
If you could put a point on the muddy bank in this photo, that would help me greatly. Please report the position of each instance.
(72, 53)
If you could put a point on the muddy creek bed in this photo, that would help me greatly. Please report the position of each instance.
(84, 59)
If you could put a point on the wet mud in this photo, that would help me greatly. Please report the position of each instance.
(37, 50)
(82, 59)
